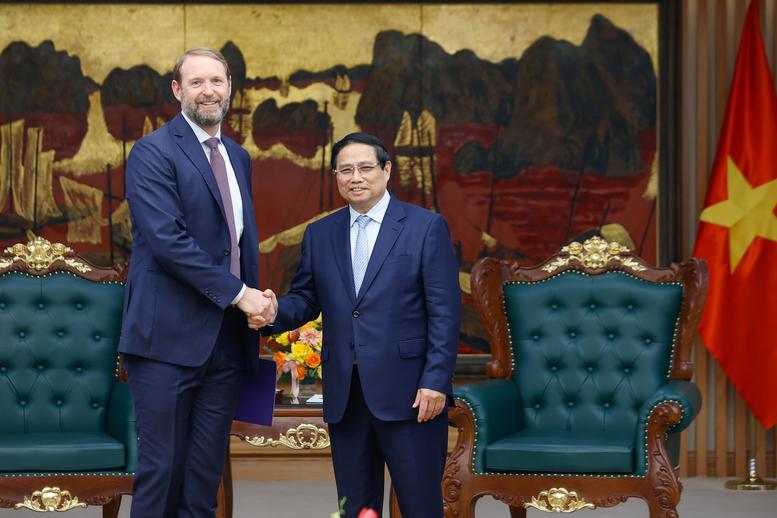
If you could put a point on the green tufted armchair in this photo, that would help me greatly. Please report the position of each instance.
(591, 383)
(67, 432)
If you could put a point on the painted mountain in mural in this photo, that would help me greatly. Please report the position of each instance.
(579, 108)
(48, 88)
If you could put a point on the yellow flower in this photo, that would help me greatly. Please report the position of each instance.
(282, 339)
(301, 349)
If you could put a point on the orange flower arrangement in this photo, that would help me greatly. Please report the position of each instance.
(299, 351)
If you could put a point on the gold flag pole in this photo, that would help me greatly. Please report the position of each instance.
(752, 482)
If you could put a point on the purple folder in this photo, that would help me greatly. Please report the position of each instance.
(257, 395)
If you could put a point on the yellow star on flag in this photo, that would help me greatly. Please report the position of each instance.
(748, 213)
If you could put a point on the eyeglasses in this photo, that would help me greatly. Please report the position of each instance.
(364, 168)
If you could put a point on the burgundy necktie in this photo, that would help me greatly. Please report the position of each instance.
(220, 172)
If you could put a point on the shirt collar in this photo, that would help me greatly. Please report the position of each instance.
(200, 133)
(376, 213)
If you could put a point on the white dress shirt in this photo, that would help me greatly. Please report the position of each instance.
(234, 188)
(376, 214)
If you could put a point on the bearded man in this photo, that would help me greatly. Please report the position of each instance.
(193, 279)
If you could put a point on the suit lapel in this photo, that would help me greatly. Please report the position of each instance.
(342, 250)
(392, 225)
(188, 143)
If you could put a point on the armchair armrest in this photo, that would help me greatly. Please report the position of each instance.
(680, 392)
(496, 408)
(121, 423)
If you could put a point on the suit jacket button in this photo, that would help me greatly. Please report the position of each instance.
(226, 252)
(356, 313)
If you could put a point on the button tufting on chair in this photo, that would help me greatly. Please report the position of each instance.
(587, 425)
(63, 412)
(97, 337)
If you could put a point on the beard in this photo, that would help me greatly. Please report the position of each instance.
(191, 108)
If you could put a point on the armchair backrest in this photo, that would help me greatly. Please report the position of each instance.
(60, 320)
(590, 334)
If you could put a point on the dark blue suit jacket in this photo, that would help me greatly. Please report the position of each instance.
(403, 327)
(179, 282)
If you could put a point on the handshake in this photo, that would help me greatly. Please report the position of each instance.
(259, 306)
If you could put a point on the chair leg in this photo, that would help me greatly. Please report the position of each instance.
(111, 509)
(462, 507)
(664, 493)
(517, 512)
(663, 508)
(659, 511)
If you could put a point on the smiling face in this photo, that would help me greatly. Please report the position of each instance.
(362, 190)
(204, 91)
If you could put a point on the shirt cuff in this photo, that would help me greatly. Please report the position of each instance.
(239, 295)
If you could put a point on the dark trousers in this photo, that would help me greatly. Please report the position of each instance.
(414, 453)
(184, 415)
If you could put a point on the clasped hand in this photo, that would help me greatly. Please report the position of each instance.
(259, 306)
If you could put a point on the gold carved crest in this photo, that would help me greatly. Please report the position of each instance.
(594, 253)
(558, 500)
(39, 254)
(50, 500)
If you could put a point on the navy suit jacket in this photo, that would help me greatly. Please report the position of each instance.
(402, 328)
(179, 282)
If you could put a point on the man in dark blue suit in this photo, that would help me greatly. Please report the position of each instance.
(194, 267)
(385, 277)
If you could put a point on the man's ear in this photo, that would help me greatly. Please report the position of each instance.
(176, 89)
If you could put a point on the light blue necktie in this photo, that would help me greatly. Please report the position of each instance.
(361, 253)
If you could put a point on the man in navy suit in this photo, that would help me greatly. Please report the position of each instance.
(385, 277)
(194, 267)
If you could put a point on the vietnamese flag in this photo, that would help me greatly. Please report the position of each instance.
(738, 232)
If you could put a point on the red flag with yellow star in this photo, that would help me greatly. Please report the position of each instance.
(738, 232)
